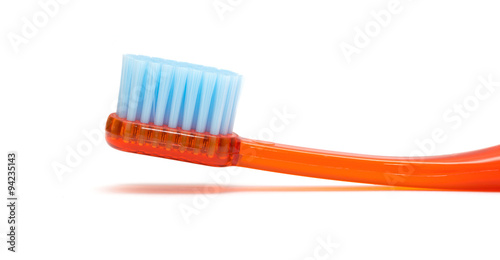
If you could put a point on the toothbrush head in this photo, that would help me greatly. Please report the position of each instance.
(178, 94)
(175, 110)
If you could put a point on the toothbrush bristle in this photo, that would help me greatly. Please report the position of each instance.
(178, 94)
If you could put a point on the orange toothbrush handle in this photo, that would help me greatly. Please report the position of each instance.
(477, 170)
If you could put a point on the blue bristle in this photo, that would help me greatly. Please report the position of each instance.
(179, 87)
(192, 86)
(124, 88)
(178, 94)
(151, 84)
(233, 109)
(137, 70)
(231, 95)
(166, 76)
(218, 102)
(204, 99)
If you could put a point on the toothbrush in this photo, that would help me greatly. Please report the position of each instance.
(186, 112)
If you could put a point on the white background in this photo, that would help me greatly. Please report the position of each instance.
(63, 82)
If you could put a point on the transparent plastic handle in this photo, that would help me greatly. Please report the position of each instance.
(477, 170)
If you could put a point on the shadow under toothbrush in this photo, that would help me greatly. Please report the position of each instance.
(216, 189)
